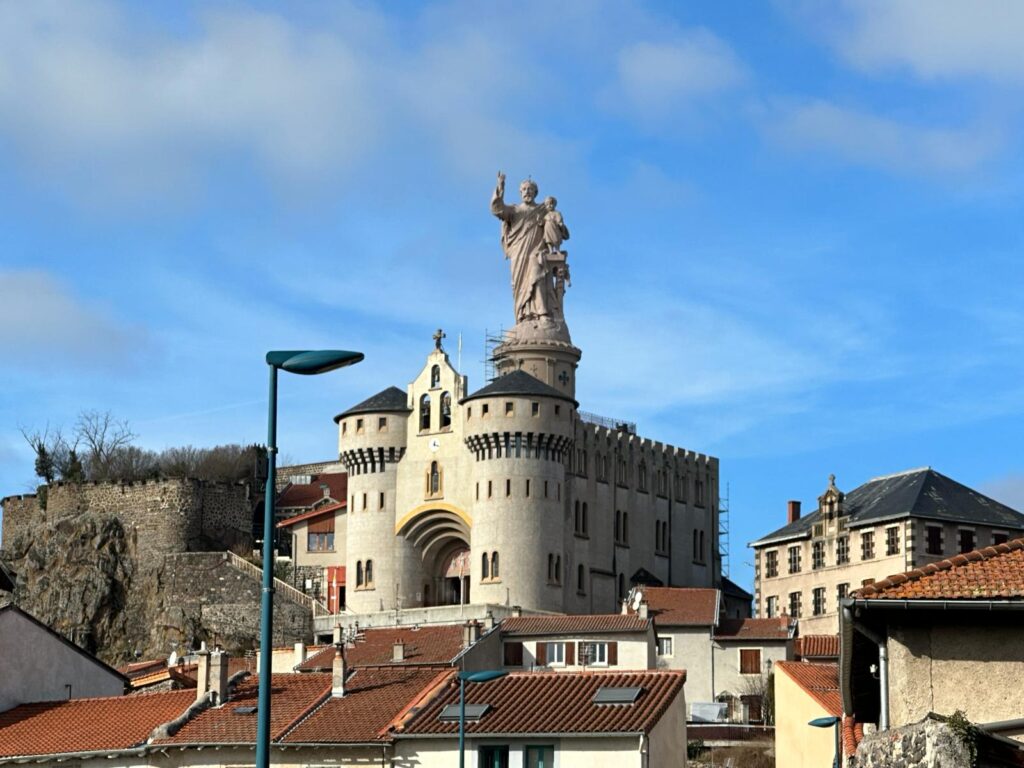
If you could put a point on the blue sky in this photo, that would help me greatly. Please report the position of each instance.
(796, 227)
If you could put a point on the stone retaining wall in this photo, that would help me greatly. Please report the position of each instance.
(928, 744)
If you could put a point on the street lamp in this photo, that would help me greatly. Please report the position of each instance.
(470, 677)
(305, 363)
(829, 722)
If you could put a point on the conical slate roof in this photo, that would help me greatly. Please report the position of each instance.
(391, 400)
(518, 384)
(921, 493)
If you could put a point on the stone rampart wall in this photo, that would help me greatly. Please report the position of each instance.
(19, 514)
(928, 744)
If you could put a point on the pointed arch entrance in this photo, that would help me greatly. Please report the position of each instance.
(440, 532)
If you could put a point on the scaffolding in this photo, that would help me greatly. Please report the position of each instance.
(723, 531)
(491, 340)
(617, 425)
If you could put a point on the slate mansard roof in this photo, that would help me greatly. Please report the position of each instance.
(920, 493)
(391, 400)
(518, 384)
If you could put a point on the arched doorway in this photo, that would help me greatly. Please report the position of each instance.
(441, 535)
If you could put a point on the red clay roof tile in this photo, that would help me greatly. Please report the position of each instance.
(817, 646)
(304, 496)
(374, 698)
(293, 697)
(853, 732)
(426, 645)
(679, 607)
(87, 725)
(553, 702)
(518, 626)
(820, 681)
(779, 628)
(995, 572)
(313, 513)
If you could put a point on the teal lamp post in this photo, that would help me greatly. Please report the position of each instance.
(829, 722)
(305, 363)
(470, 677)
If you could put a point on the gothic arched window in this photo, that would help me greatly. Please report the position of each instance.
(359, 573)
(485, 567)
(435, 479)
(494, 565)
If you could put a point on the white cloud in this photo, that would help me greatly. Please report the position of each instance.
(934, 39)
(867, 139)
(43, 324)
(655, 78)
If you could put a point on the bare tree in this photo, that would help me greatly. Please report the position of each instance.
(104, 437)
(55, 454)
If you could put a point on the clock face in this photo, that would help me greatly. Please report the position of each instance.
(434, 444)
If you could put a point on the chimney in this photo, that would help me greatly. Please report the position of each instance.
(625, 607)
(338, 672)
(489, 620)
(219, 675)
(470, 633)
(202, 671)
(517, 610)
(300, 653)
(326, 489)
(337, 634)
(792, 511)
(643, 610)
(398, 651)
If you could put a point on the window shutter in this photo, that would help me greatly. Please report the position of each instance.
(750, 661)
(542, 654)
(513, 654)
(613, 654)
(323, 525)
(570, 655)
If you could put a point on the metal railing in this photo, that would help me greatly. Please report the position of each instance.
(607, 422)
(297, 596)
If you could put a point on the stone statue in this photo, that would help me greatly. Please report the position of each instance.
(531, 236)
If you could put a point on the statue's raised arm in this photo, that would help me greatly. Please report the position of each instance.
(498, 207)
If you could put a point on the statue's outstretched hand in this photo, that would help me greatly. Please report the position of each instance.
(501, 184)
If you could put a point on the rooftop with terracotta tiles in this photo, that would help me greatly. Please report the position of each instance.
(87, 725)
(375, 700)
(607, 623)
(550, 703)
(817, 647)
(682, 607)
(426, 645)
(779, 628)
(995, 572)
(299, 496)
(819, 681)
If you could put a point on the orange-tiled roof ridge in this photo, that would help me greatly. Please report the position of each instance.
(293, 696)
(376, 700)
(817, 646)
(992, 572)
(307, 495)
(682, 606)
(583, 624)
(88, 725)
(438, 644)
(853, 732)
(819, 681)
(552, 703)
(778, 628)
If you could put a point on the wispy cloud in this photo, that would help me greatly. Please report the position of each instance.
(932, 40)
(44, 324)
(653, 79)
(867, 139)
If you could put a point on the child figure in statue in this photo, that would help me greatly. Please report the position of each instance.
(555, 231)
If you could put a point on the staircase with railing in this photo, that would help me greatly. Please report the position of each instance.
(282, 588)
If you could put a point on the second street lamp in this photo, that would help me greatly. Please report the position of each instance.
(304, 363)
(470, 677)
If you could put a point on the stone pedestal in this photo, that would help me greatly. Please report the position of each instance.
(551, 360)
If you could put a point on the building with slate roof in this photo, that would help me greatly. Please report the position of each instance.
(888, 525)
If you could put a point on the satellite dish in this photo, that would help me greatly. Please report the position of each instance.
(638, 597)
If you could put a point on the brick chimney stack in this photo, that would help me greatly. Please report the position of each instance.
(219, 675)
(202, 671)
(338, 672)
(792, 511)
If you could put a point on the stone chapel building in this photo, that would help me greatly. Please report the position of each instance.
(509, 494)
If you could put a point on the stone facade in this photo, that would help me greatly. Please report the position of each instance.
(556, 512)
(928, 744)
(20, 512)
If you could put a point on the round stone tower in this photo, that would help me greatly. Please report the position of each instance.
(518, 429)
(371, 440)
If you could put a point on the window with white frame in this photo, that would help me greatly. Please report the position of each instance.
(664, 646)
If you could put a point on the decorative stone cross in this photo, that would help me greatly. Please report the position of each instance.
(564, 378)
(438, 336)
